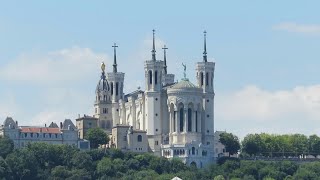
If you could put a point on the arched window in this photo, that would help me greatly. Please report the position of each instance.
(189, 119)
(193, 150)
(201, 77)
(156, 77)
(117, 88)
(150, 77)
(207, 79)
(181, 120)
(111, 88)
(139, 138)
(196, 121)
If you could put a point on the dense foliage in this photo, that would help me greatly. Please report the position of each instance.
(269, 145)
(97, 137)
(231, 142)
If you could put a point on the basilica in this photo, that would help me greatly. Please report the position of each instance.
(170, 118)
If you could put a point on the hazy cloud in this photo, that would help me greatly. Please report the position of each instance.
(313, 29)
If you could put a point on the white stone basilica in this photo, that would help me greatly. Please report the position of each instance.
(170, 119)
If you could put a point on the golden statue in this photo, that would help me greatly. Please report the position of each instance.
(103, 66)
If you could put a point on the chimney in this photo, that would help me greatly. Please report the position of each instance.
(78, 115)
(60, 125)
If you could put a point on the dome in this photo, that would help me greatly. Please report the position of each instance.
(184, 84)
(9, 122)
(103, 84)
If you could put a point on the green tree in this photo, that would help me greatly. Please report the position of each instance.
(105, 167)
(6, 146)
(23, 164)
(5, 171)
(252, 144)
(97, 137)
(231, 142)
(219, 177)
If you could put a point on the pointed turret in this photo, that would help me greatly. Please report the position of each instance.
(153, 47)
(165, 59)
(205, 47)
(114, 58)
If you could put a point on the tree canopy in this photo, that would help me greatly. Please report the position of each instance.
(97, 137)
(231, 142)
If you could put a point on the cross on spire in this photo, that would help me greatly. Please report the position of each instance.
(153, 47)
(115, 58)
(205, 47)
(165, 58)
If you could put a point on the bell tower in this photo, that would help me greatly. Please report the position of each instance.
(205, 75)
(153, 81)
(116, 80)
(102, 103)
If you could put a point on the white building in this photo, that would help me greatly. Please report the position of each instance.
(177, 117)
(22, 135)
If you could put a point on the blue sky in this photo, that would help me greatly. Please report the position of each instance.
(266, 54)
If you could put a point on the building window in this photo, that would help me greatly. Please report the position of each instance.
(207, 79)
(156, 143)
(189, 119)
(208, 115)
(193, 150)
(124, 138)
(201, 77)
(156, 77)
(181, 120)
(196, 121)
(156, 99)
(117, 88)
(31, 135)
(207, 100)
(139, 138)
(150, 77)
(208, 143)
(156, 114)
(111, 88)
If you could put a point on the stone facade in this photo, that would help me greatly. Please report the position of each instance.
(67, 133)
(174, 119)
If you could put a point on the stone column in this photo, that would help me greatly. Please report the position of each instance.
(176, 121)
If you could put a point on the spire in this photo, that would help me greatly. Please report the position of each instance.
(165, 58)
(205, 47)
(115, 58)
(153, 47)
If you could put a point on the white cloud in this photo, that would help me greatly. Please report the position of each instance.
(295, 110)
(59, 66)
(313, 29)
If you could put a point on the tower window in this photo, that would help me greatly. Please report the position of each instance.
(201, 77)
(156, 77)
(111, 88)
(189, 119)
(207, 79)
(117, 88)
(181, 120)
(150, 77)
(196, 121)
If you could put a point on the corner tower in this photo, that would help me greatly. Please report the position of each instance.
(153, 83)
(116, 80)
(205, 75)
(102, 103)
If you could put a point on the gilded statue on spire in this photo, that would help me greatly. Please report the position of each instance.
(103, 66)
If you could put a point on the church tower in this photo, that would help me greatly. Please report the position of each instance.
(167, 78)
(153, 83)
(205, 75)
(116, 80)
(102, 103)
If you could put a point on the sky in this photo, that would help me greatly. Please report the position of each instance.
(267, 76)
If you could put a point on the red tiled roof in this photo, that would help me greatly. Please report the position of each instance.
(39, 129)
